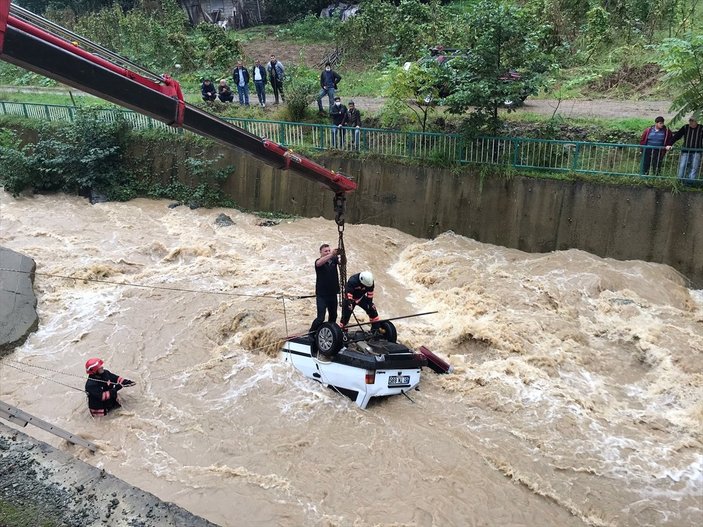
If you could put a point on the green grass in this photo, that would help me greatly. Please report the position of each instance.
(309, 30)
(14, 515)
(633, 125)
(368, 83)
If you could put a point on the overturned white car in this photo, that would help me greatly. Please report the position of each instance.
(360, 364)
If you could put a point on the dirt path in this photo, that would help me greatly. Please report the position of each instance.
(52, 487)
(607, 108)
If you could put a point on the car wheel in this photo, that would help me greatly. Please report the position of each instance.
(329, 339)
(387, 330)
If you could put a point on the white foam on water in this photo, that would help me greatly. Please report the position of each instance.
(576, 378)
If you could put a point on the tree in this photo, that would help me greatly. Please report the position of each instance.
(417, 88)
(502, 41)
(78, 7)
(682, 60)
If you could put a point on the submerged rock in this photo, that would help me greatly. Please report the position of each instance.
(223, 220)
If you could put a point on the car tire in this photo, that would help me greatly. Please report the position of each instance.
(329, 339)
(388, 331)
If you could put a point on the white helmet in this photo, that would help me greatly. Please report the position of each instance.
(366, 278)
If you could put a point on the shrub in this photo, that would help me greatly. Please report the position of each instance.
(300, 89)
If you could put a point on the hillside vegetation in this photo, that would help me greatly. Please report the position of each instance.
(562, 49)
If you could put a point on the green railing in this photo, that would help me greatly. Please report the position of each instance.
(521, 153)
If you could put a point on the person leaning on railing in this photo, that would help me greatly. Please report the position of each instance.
(655, 139)
(692, 148)
(353, 120)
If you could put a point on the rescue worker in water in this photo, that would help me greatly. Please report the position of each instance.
(102, 387)
(359, 291)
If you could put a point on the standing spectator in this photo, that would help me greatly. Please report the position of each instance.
(353, 120)
(655, 139)
(328, 85)
(338, 114)
(258, 73)
(276, 73)
(224, 92)
(692, 148)
(241, 79)
(207, 89)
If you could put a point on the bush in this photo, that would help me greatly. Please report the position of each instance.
(301, 89)
(86, 154)
(92, 154)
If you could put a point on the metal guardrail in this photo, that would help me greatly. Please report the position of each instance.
(520, 153)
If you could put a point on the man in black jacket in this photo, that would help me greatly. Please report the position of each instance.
(326, 285)
(338, 114)
(328, 85)
(208, 91)
(102, 387)
(241, 80)
(692, 149)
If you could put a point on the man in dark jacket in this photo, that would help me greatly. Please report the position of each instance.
(208, 91)
(326, 285)
(353, 120)
(338, 114)
(654, 141)
(276, 73)
(692, 149)
(241, 80)
(258, 73)
(328, 85)
(224, 93)
(359, 291)
(102, 387)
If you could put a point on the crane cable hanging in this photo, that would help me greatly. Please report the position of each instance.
(339, 202)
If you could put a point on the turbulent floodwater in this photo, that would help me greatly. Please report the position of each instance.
(577, 395)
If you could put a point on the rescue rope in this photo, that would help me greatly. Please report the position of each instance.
(158, 287)
(43, 377)
(5, 361)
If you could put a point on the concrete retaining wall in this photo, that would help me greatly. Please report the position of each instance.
(534, 215)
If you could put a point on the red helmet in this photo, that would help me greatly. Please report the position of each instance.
(93, 365)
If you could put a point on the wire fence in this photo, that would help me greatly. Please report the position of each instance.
(519, 153)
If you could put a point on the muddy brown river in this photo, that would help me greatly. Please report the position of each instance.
(576, 397)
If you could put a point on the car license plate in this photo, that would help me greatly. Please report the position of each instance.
(398, 380)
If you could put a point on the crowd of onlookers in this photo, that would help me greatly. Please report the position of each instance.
(273, 73)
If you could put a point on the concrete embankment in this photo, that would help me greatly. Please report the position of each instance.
(46, 486)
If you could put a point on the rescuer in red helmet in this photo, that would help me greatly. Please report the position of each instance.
(102, 387)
